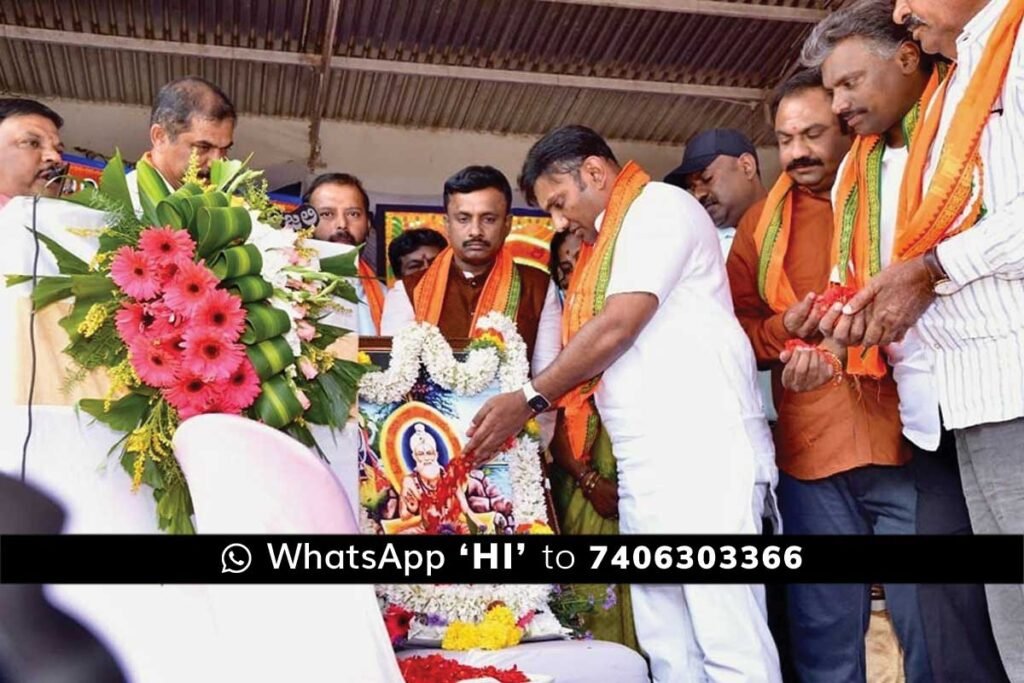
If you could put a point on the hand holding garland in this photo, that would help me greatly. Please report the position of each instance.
(597, 345)
(810, 367)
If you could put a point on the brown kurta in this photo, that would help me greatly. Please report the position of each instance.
(835, 428)
(462, 294)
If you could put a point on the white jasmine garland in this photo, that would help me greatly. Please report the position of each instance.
(466, 602)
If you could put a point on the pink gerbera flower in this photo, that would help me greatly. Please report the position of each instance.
(209, 355)
(135, 273)
(240, 390)
(189, 287)
(191, 395)
(155, 363)
(222, 313)
(166, 246)
(161, 321)
(130, 321)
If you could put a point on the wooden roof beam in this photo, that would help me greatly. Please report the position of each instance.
(94, 40)
(716, 8)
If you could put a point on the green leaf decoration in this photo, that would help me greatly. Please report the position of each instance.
(50, 289)
(152, 189)
(113, 182)
(13, 280)
(277, 405)
(328, 334)
(249, 288)
(220, 226)
(235, 262)
(263, 321)
(68, 263)
(270, 357)
(174, 210)
(174, 508)
(125, 414)
(342, 265)
(84, 197)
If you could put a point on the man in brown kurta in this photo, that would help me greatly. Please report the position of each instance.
(839, 447)
(478, 203)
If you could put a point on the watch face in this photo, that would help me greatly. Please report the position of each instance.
(538, 404)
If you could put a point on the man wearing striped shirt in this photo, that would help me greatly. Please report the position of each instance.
(958, 266)
(880, 83)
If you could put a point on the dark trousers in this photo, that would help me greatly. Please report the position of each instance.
(956, 619)
(828, 622)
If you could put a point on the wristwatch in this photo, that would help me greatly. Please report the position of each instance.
(536, 401)
(941, 284)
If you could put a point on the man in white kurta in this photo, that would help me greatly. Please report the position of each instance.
(680, 402)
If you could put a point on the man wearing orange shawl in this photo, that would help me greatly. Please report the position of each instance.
(476, 275)
(958, 266)
(653, 346)
(344, 210)
(838, 447)
(881, 85)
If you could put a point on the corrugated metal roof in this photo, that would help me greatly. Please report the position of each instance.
(510, 35)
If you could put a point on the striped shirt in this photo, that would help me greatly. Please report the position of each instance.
(977, 332)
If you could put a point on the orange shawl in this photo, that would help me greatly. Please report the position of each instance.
(771, 237)
(501, 292)
(953, 200)
(856, 245)
(374, 295)
(585, 299)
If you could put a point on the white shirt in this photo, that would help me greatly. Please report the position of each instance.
(913, 361)
(764, 377)
(681, 404)
(367, 328)
(725, 238)
(399, 313)
(978, 331)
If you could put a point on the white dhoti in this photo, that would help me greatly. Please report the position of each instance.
(696, 632)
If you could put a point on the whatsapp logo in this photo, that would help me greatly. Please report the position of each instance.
(235, 559)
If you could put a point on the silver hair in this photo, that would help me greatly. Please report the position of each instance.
(868, 19)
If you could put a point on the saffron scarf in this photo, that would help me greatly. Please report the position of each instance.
(771, 237)
(374, 295)
(502, 290)
(585, 299)
(856, 245)
(953, 200)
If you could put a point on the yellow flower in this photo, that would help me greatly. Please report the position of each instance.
(532, 429)
(237, 201)
(94, 320)
(86, 232)
(364, 358)
(494, 636)
(137, 468)
(460, 636)
(500, 615)
(540, 529)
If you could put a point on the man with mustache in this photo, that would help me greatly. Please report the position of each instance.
(30, 149)
(881, 84)
(957, 271)
(476, 274)
(344, 210)
(190, 116)
(720, 169)
(838, 449)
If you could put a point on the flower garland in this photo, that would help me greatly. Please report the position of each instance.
(498, 352)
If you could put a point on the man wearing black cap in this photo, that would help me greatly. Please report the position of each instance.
(720, 169)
